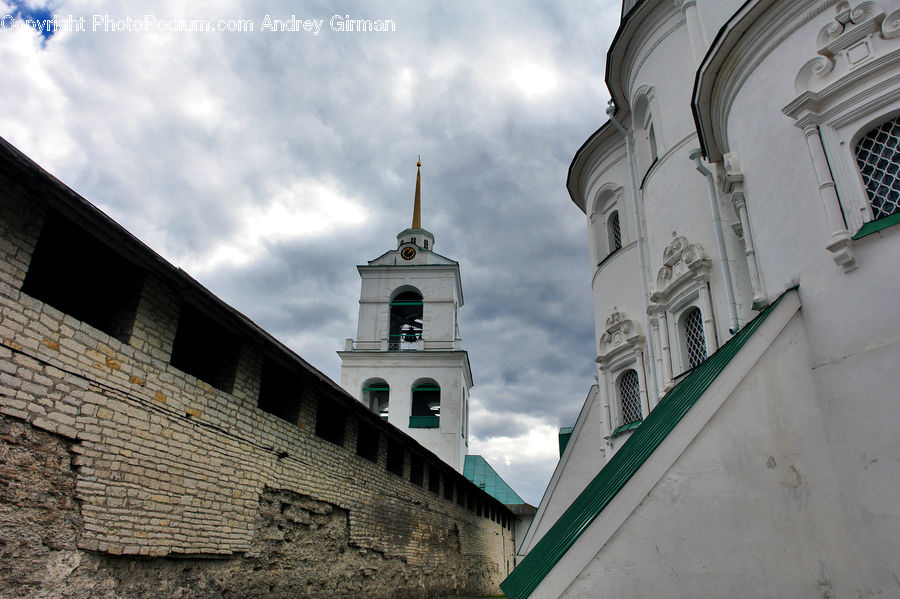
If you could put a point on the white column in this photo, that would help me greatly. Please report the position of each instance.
(694, 27)
(709, 323)
(740, 206)
(656, 339)
(642, 380)
(840, 244)
(666, 349)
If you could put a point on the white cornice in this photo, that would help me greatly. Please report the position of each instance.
(742, 44)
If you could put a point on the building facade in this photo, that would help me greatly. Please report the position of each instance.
(741, 206)
(406, 362)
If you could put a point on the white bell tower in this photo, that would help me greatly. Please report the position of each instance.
(407, 361)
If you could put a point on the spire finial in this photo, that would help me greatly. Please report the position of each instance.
(417, 206)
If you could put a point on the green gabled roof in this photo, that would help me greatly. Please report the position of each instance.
(622, 466)
(477, 470)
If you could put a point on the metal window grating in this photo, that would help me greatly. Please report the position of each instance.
(694, 337)
(615, 232)
(630, 394)
(878, 157)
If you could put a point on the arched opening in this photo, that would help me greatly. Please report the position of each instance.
(405, 321)
(694, 338)
(426, 404)
(376, 395)
(645, 135)
(878, 158)
(603, 223)
(614, 232)
(629, 389)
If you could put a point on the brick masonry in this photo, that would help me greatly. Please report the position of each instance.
(123, 476)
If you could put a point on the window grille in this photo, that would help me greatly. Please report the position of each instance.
(630, 394)
(878, 158)
(615, 232)
(694, 338)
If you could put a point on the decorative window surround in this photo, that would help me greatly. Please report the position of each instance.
(621, 349)
(682, 283)
(608, 201)
(842, 93)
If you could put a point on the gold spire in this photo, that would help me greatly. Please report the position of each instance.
(417, 207)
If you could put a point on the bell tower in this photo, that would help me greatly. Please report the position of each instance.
(407, 362)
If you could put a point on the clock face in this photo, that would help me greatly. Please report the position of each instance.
(408, 253)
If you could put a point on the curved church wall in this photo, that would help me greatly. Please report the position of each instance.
(846, 308)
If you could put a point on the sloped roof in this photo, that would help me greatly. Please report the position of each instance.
(477, 470)
(623, 465)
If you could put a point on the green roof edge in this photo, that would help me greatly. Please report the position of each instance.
(873, 226)
(565, 433)
(623, 465)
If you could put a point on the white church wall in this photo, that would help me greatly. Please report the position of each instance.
(714, 13)
(750, 508)
(851, 315)
(675, 195)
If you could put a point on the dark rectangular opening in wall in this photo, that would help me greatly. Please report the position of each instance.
(477, 507)
(461, 495)
(395, 457)
(471, 498)
(204, 349)
(280, 391)
(77, 274)
(434, 479)
(448, 487)
(367, 442)
(416, 470)
(331, 420)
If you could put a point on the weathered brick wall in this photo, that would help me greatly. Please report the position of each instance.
(156, 463)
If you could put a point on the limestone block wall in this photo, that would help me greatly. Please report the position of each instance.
(216, 496)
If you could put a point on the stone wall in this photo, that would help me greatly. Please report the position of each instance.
(124, 476)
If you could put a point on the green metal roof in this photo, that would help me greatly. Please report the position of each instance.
(477, 470)
(873, 226)
(634, 452)
(565, 433)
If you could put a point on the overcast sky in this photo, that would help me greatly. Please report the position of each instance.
(268, 164)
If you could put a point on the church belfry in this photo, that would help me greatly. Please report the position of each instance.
(407, 362)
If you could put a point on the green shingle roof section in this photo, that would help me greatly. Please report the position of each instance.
(622, 466)
(477, 470)
(565, 433)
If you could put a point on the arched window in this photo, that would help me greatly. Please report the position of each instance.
(376, 395)
(645, 134)
(614, 232)
(406, 321)
(630, 396)
(694, 339)
(426, 404)
(878, 158)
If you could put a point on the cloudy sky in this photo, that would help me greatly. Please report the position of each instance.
(268, 164)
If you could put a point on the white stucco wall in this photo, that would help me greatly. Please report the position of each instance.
(852, 317)
(750, 508)
(581, 461)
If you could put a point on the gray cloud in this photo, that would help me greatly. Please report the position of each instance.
(270, 164)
